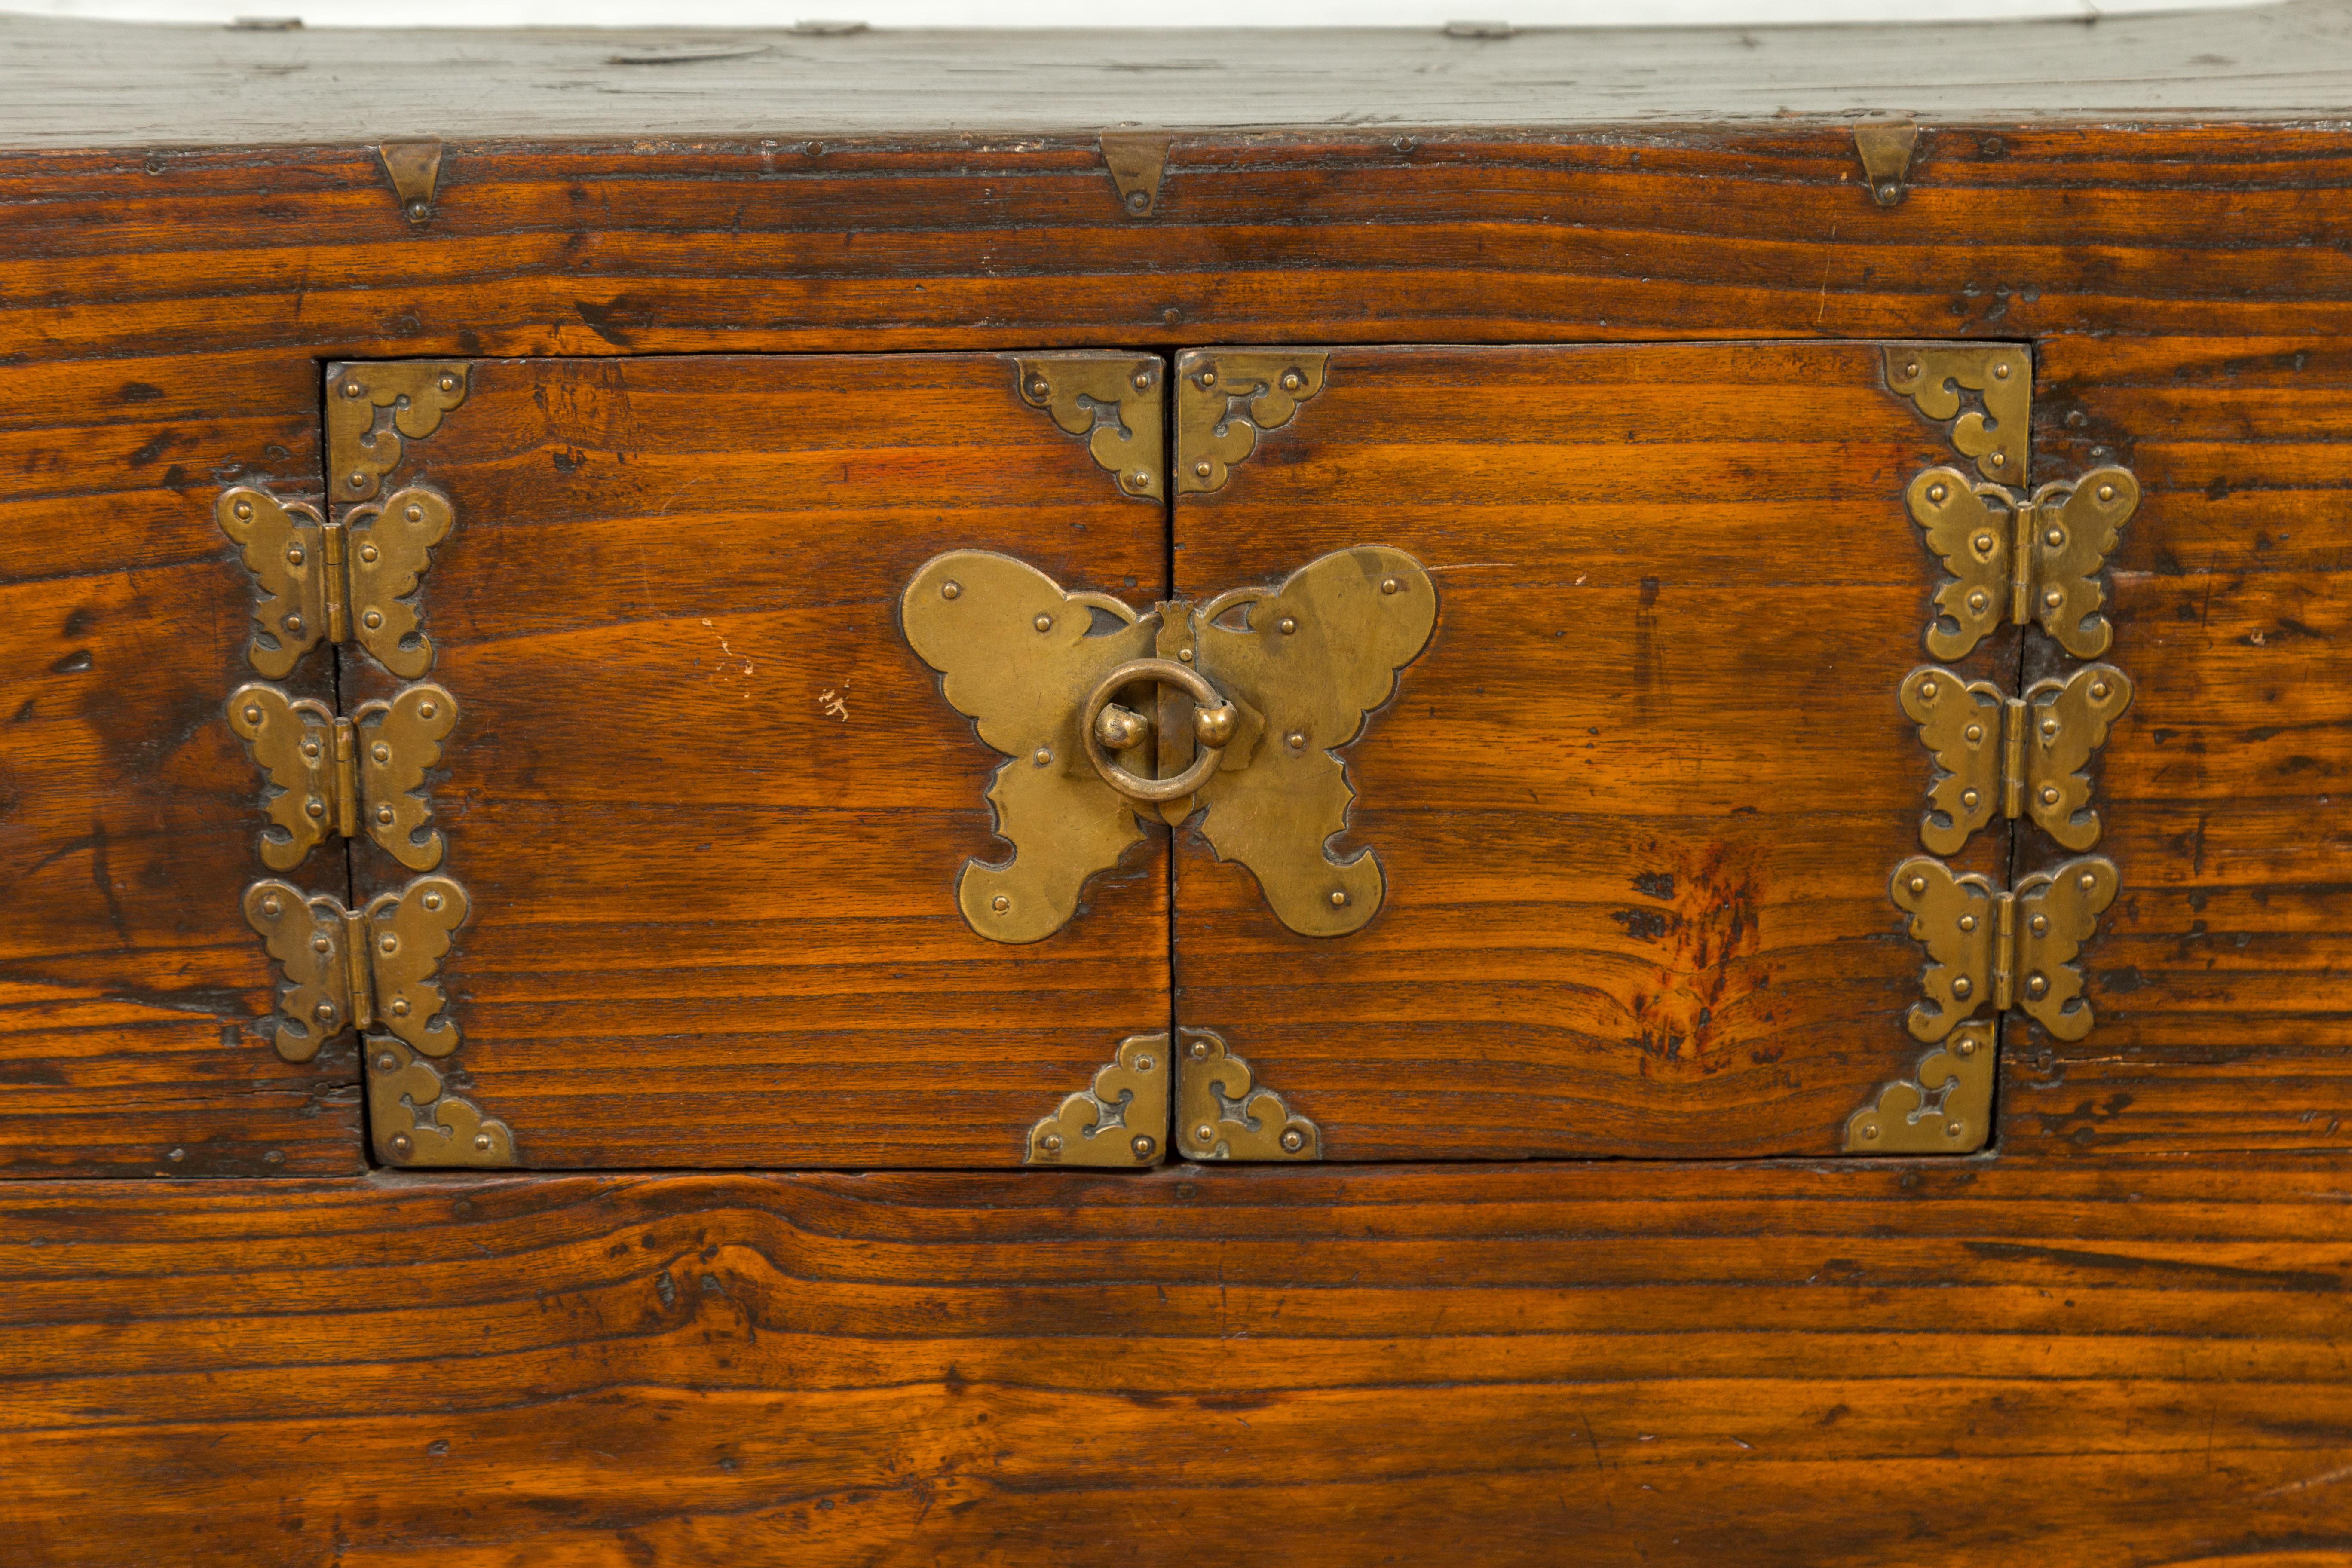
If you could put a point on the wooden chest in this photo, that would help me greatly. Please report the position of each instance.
(832, 797)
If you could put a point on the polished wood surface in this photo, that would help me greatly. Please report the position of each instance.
(1639, 801)
(1929, 1363)
(709, 806)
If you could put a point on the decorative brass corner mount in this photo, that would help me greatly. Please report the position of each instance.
(355, 968)
(1944, 1108)
(1136, 159)
(1121, 1120)
(372, 405)
(415, 1120)
(1885, 147)
(414, 165)
(337, 579)
(1065, 684)
(1113, 402)
(1933, 375)
(2018, 756)
(1222, 1114)
(1226, 397)
(360, 776)
(1981, 939)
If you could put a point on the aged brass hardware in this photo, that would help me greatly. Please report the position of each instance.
(372, 405)
(1113, 401)
(1300, 667)
(1944, 1108)
(1136, 160)
(415, 1120)
(360, 776)
(336, 580)
(356, 969)
(1226, 397)
(2007, 949)
(2017, 756)
(1886, 154)
(2034, 559)
(414, 165)
(1933, 375)
(1221, 1114)
(1121, 1120)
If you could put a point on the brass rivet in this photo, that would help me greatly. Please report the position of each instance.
(1185, 654)
(1143, 1145)
(1000, 903)
(353, 389)
(2050, 795)
(415, 513)
(383, 814)
(1978, 601)
(1975, 734)
(1910, 369)
(1296, 740)
(482, 1142)
(2050, 729)
(324, 1012)
(1050, 1143)
(2054, 597)
(2037, 986)
(358, 481)
(1285, 625)
(1208, 377)
(1141, 379)
(1044, 623)
(1984, 543)
(448, 383)
(1936, 493)
(1139, 480)
(320, 944)
(1391, 585)
(1967, 1048)
(1138, 200)
(2054, 538)
(1927, 690)
(421, 210)
(1962, 985)
(2106, 492)
(315, 806)
(388, 943)
(1954, 1128)
(2001, 373)
(426, 709)
(433, 900)
(2086, 882)
(1043, 757)
(293, 625)
(294, 555)
(311, 748)
(244, 509)
(1293, 1139)
(1918, 884)
(270, 907)
(1200, 1050)
(1998, 459)
(252, 713)
(1039, 387)
(380, 751)
(1202, 469)
(1292, 380)
(368, 552)
(2039, 925)
(1968, 922)
(1205, 1134)
(385, 1061)
(1870, 1130)
(1338, 898)
(401, 1144)
(1969, 798)
(373, 620)
(950, 588)
(2098, 691)
(1143, 1064)
(400, 1007)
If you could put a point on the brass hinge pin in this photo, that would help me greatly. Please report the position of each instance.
(334, 583)
(347, 779)
(359, 969)
(2020, 576)
(2014, 719)
(2004, 956)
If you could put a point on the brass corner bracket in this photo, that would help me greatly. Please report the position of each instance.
(361, 776)
(1885, 147)
(358, 969)
(2015, 756)
(2027, 559)
(1120, 1119)
(1933, 376)
(1112, 401)
(347, 578)
(1944, 1108)
(2006, 949)
(1273, 682)
(414, 165)
(1226, 397)
(372, 406)
(415, 1120)
(1136, 159)
(1222, 1114)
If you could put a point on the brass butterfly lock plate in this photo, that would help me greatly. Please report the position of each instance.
(1236, 709)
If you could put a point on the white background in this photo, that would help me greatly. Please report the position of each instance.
(742, 13)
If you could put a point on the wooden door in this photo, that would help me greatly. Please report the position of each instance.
(705, 806)
(1637, 803)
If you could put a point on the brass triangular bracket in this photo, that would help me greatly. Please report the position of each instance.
(1221, 1114)
(1112, 401)
(1944, 1108)
(372, 405)
(416, 1121)
(415, 165)
(1885, 147)
(1136, 159)
(1120, 1121)
(1226, 397)
(1933, 376)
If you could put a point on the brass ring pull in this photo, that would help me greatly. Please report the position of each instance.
(1215, 721)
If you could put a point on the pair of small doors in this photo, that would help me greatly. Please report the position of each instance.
(1635, 803)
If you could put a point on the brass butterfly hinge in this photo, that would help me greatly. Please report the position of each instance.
(359, 969)
(1934, 375)
(2027, 559)
(1944, 1108)
(1121, 1120)
(340, 580)
(2002, 949)
(2013, 756)
(1276, 681)
(360, 776)
(372, 405)
(1226, 397)
(415, 1120)
(1112, 401)
(1222, 1113)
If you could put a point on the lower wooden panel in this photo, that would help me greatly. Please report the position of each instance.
(1952, 1362)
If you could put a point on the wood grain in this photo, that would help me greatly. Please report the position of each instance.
(1943, 1362)
(714, 917)
(1638, 803)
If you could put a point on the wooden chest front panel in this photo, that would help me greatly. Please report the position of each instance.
(1639, 801)
(709, 806)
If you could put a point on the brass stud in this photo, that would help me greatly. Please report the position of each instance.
(1285, 625)
(1208, 376)
(1927, 690)
(1968, 922)
(2054, 538)
(244, 509)
(293, 625)
(1918, 884)
(1296, 740)
(294, 555)
(1979, 600)
(1338, 898)
(1937, 492)
(1292, 380)
(402, 1144)
(324, 1012)
(1998, 459)
(2037, 986)
(448, 382)
(271, 907)
(2086, 882)
(1954, 1128)
(1185, 654)
(369, 552)
(1143, 1143)
(415, 513)
(2054, 597)
(1975, 734)
(1043, 756)
(1985, 542)
(358, 481)
(310, 748)
(1138, 200)
(1142, 379)
(387, 944)
(1040, 388)
(380, 751)
(383, 814)
(2039, 925)
(315, 806)
(1050, 1143)
(433, 900)
(2050, 729)
(950, 588)
(1869, 1130)
(1202, 469)
(2098, 691)
(1962, 985)
(482, 1142)
(320, 944)
(1969, 798)
(1000, 903)
(1293, 1139)
(426, 708)
(2001, 372)
(1044, 623)
(400, 1007)
(1204, 1135)
(385, 1061)
(1200, 1050)
(2106, 492)
(1391, 585)
(1910, 369)
(2050, 795)
(1139, 480)
(353, 389)
(1967, 1048)
(1144, 1064)
(373, 620)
